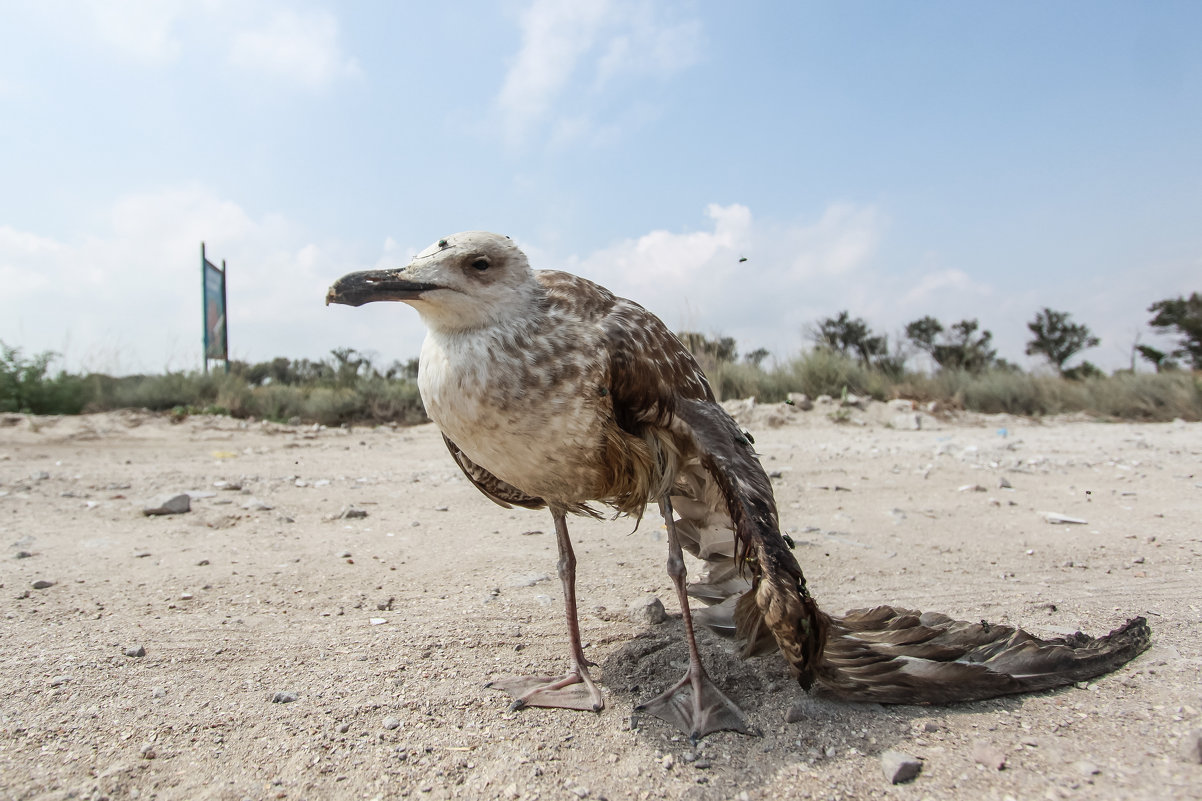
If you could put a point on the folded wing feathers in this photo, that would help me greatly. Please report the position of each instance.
(883, 654)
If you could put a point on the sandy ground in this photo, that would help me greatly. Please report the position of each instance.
(385, 628)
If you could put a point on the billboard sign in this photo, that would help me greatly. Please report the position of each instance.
(215, 343)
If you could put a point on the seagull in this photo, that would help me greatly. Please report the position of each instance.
(552, 392)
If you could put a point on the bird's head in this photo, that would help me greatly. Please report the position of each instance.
(464, 281)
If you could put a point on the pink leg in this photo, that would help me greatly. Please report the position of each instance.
(575, 689)
(694, 704)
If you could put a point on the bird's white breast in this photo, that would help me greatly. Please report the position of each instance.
(502, 407)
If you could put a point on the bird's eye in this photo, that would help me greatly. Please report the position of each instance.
(480, 264)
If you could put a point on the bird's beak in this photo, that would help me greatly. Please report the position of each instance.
(355, 289)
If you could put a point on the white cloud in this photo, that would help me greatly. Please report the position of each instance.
(261, 38)
(128, 298)
(793, 272)
(302, 47)
(142, 30)
(583, 43)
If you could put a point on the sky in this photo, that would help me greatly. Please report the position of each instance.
(960, 160)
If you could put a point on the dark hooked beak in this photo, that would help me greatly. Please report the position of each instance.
(355, 289)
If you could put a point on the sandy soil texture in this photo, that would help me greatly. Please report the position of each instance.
(274, 642)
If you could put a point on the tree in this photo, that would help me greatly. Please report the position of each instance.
(719, 349)
(756, 357)
(1182, 317)
(1159, 359)
(849, 336)
(1058, 339)
(957, 348)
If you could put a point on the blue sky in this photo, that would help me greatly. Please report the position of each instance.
(893, 159)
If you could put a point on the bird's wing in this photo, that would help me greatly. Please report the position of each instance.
(658, 390)
(496, 490)
(777, 605)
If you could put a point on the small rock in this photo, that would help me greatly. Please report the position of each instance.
(971, 488)
(168, 504)
(22, 555)
(900, 767)
(350, 513)
(377, 621)
(42, 584)
(1004, 483)
(668, 762)
(256, 505)
(283, 697)
(147, 751)
(344, 554)
(134, 651)
(1086, 768)
(442, 508)
(186, 596)
(985, 753)
(158, 692)
(1191, 746)
(800, 400)
(343, 728)
(59, 681)
(1057, 519)
(391, 722)
(580, 792)
(649, 610)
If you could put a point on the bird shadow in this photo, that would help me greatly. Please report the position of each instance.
(796, 728)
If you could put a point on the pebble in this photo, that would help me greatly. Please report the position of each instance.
(147, 751)
(158, 692)
(59, 681)
(668, 762)
(134, 651)
(649, 610)
(22, 555)
(1057, 519)
(1086, 768)
(168, 504)
(283, 697)
(989, 755)
(442, 508)
(256, 505)
(351, 513)
(391, 722)
(42, 584)
(900, 767)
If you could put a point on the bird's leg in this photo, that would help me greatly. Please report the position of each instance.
(694, 704)
(574, 690)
